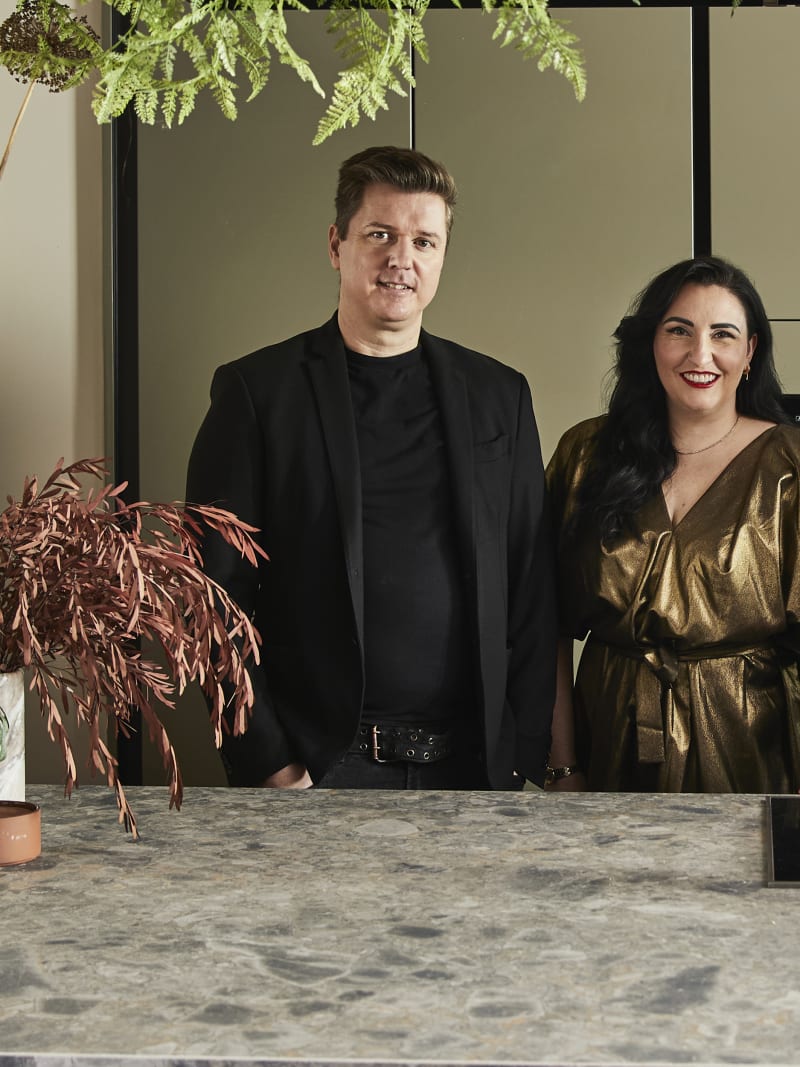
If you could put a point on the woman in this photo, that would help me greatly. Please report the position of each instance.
(678, 523)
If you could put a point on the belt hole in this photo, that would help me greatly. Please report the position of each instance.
(426, 755)
(410, 752)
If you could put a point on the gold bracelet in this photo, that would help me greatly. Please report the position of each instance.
(553, 774)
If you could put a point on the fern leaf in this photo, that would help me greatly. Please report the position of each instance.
(187, 92)
(223, 92)
(145, 103)
(222, 41)
(169, 104)
(529, 27)
(168, 62)
(378, 55)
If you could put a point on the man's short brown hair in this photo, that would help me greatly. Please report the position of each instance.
(404, 168)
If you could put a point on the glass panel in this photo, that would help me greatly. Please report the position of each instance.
(233, 255)
(233, 226)
(787, 354)
(567, 209)
(755, 151)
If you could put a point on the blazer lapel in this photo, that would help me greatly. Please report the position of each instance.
(328, 370)
(451, 390)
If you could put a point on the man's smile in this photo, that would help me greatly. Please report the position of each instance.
(394, 285)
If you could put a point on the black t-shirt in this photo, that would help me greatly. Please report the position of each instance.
(415, 624)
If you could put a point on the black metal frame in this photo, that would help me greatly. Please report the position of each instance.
(124, 258)
(124, 340)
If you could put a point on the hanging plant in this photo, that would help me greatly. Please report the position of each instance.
(175, 50)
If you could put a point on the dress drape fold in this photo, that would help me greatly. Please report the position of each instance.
(689, 680)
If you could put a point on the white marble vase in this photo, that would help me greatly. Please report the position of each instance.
(12, 736)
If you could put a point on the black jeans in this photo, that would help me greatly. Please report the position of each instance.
(462, 770)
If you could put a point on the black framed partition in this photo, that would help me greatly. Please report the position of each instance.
(565, 210)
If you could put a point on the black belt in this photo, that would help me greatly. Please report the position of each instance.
(386, 744)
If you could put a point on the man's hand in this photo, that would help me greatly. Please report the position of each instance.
(292, 776)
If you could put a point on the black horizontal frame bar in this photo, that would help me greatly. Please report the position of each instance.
(694, 4)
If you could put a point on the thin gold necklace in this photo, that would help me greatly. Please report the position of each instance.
(705, 448)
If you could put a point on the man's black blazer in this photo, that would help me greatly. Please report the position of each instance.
(278, 447)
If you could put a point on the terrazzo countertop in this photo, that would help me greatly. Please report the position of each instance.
(328, 927)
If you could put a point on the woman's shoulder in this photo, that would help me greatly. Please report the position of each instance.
(781, 448)
(787, 435)
(571, 458)
(578, 438)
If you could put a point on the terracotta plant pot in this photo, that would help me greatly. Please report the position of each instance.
(20, 832)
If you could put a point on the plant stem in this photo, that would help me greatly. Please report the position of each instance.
(15, 127)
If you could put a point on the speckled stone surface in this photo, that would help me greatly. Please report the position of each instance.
(374, 927)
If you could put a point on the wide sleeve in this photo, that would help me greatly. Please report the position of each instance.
(564, 475)
(788, 501)
(566, 470)
(226, 468)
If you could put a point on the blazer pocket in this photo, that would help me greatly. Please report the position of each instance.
(487, 451)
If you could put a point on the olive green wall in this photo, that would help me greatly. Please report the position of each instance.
(755, 162)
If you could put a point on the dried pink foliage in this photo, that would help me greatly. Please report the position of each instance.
(84, 576)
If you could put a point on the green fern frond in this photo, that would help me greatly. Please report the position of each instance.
(378, 56)
(133, 64)
(275, 35)
(169, 105)
(222, 41)
(125, 7)
(188, 96)
(254, 57)
(223, 92)
(168, 62)
(354, 92)
(145, 103)
(530, 28)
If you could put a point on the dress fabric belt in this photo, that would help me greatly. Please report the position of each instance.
(653, 687)
(387, 744)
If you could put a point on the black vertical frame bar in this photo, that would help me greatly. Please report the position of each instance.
(701, 130)
(413, 101)
(124, 334)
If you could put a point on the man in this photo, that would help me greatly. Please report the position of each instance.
(406, 610)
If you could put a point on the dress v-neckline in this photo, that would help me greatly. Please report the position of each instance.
(674, 525)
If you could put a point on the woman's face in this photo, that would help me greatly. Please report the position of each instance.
(702, 349)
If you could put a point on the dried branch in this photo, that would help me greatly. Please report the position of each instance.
(84, 577)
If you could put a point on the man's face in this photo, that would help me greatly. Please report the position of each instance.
(389, 263)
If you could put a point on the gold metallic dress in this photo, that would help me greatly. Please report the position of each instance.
(689, 681)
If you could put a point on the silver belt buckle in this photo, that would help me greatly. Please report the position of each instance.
(376, 746)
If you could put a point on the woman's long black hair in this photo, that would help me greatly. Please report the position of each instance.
(634, 454)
